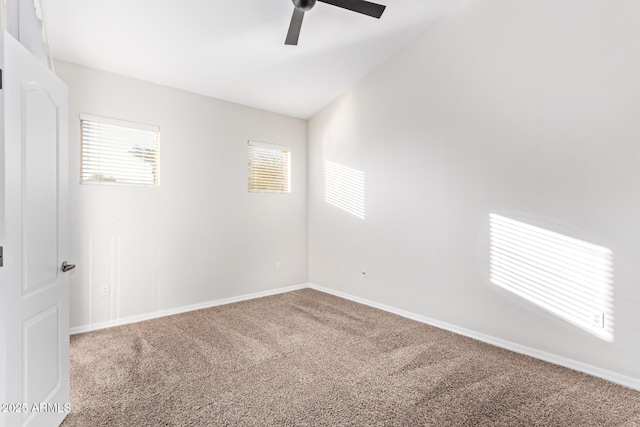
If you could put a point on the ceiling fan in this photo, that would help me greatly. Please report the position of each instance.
(301, 6)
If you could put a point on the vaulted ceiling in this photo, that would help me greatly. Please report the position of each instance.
(234, 49)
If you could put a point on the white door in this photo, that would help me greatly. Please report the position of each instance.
(34, 294)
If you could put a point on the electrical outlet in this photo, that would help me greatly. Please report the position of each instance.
(278, 265)
(364, 274)
(343, 269)
(104, 291)
(597, 319)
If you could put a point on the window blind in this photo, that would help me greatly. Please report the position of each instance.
(269, 168)
(118, 152)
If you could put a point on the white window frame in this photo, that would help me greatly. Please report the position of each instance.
(269, 146)
(128, 178)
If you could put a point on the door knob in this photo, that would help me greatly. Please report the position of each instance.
(67, 267)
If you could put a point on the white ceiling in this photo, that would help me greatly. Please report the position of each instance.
(234, 49)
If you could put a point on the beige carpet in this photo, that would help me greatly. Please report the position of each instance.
(306, 358)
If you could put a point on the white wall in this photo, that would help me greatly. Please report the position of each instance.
(529, 109)
(200, 236)
(23, 21)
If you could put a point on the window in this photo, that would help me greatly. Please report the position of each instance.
(118, 152)
(269, 168)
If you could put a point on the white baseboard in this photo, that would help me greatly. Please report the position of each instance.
(178, 310)
(614, 377)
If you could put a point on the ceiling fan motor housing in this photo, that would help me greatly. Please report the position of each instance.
(304, 5)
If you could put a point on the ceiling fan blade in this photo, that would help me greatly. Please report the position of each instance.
(361, 6)
(294, 27)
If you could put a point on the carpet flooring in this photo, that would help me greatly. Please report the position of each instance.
(306, 358)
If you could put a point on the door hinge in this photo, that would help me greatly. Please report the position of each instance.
(1, 259)
(0, 78)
